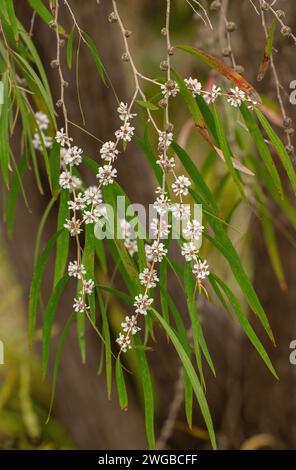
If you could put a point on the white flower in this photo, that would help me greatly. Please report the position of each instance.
(201, 270)
(162, 204)
(193, 85)
(212, 95)
(79, 305)
(42, 120)
(160, 227)
(62, 138)
(68, 181)
(88, 286)
(73, 226)
(130, 325)
(148, 278)
(76, 270)
(170, 88)
(190, 251)
(131, 246)
(236, 97)
(156, 251)
(78, 204)
(193, 230)
(126, 228)
(73, 156)
(164, 140)
(106, 174)
(108, 151)
(181, 185)
(252, 103)
(93, 195)
(125, 132)
(142, 303)
(124, 342)
(90, 217)
(100, 211)
(166, 163)
(40, 140)
(122, 110)
(181, 211)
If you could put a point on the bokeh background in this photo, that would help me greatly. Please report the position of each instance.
(250, 409)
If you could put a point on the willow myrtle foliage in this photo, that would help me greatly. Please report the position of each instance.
(250, 165)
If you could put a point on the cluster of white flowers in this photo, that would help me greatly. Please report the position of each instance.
(40, 139)
(128, 234)
(235, 96)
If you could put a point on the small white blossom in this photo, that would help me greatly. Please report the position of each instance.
(162, 204)
(90, 217)
(76, 270)
(148, 278)
(41, 140)
(201, 270)
(181, 185)
(211, 96)
(124, 342)
(142, 303)
(160, 227)
(42, 120)
(236, 97)
(74, 226)
(166, 163)
(193, 85)
(131, 246)
(62, 138)
(125, 132)
(170, 88)
(100, 211)
(181, 211)
(108, 151)
(72, 156)
(130, 325)
(78, 203)
(68, 181)
(193, 230)
(80, 306)
(106, 174)
(88, 286)
(126, 228)
(156, 251)
(190, 251)
(164, 140)
(93, 195)
(122, 110)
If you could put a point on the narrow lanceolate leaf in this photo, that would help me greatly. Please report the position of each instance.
(49, 316)
(96, 57)
(54, 163)
(243, 319)
(197, 388)
(262, 148)
(15, 189)
(267, 52)
(198, 336)
(147, 105)
(147, 392)
(43, 12)
(57, 361)
(70, 47)
(4, 125)
(224, 70)
(107, 343)
(62, 247)
(279, 148)
(12, 18)
(121, 388)
(36, 284)
(89, 263)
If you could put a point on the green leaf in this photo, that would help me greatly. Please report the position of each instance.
(62, 248)
(147, 392)
(36, 284)
(12, 18)
(147, 105)
(57, 361)
(70, 47)
(89, 264)
(4, 135)
(279, 148)
(121, 388)
(242, 318)
(262, 148)
(43, 12)
(107, 338)
(96, 57)
(54, 162)
(14, 192)
(197, 388)
(49, 317)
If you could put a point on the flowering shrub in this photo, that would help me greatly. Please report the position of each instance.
(144, 263)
